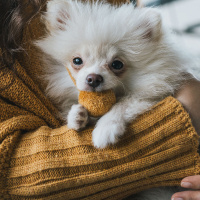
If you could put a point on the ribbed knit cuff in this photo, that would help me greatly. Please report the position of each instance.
(159, 149)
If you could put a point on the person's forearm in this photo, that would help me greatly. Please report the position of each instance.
(189, 96)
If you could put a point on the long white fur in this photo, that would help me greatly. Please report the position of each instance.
(99, 33)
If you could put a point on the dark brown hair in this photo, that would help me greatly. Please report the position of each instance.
(14, 15)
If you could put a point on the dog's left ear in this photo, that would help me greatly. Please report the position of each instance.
(150, 24)
(57, 15)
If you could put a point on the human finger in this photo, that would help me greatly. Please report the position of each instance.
(192, 182)
(186, 195)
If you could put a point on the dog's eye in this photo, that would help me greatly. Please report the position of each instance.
(77, 61)
(117, 65)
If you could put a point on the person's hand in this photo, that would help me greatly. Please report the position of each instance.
(193, 183)
(189, 96)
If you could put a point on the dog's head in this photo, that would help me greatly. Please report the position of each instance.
(100, 44)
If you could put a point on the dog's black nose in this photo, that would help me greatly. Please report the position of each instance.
(94, 80)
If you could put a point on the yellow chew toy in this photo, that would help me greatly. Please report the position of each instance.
(96, 103)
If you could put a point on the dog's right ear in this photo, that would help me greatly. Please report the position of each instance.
(150, 23)
(57, 15)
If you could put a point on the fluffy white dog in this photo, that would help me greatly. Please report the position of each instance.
(122, 48)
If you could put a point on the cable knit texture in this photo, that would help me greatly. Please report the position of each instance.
(42, 159)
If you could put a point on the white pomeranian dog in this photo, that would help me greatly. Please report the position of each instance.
(122, 48)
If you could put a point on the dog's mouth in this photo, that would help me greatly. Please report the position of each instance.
(93, 89)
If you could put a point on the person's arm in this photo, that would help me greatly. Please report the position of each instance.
(189, 96)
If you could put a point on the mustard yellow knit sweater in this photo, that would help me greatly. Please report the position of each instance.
(42, 159)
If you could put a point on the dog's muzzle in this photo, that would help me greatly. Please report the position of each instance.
(94, 80)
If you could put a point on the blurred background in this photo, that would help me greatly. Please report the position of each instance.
(183, 17)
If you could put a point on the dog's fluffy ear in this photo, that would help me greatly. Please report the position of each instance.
(57, 15)
(150, 24)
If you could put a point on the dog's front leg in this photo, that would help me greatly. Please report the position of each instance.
(77, 117)
(113, 124)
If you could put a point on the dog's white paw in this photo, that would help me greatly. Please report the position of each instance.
(107, 132)
(77, 117)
